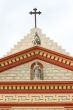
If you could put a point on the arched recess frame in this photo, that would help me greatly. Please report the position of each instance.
(32, 73)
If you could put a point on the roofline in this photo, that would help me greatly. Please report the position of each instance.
(36, 47)
(62, 60)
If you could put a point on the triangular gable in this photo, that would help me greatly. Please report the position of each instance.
(27, 42)
(36, 52)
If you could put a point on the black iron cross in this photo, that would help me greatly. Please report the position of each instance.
(35, 13)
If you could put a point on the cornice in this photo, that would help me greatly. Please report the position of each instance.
(48, 87)
(36, 104)
(33, 53)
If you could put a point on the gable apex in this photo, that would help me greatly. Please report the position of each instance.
(27, 42)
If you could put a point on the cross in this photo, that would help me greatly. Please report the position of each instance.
(35, 13)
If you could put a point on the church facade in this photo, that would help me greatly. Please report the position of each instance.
(36, 74)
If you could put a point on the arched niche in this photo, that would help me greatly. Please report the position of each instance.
(36, 71)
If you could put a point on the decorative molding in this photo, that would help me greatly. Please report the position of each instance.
(5, 108)
(34, 108)
(37, 104)
(36, 87)
(36, 53)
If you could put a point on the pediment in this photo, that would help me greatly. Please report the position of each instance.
(34, 53)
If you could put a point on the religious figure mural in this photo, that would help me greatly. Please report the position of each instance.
(37, 72)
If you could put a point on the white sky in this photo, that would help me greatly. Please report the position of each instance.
(56, 21)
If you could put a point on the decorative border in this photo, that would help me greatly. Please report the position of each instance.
(36, 53)
(36, 87)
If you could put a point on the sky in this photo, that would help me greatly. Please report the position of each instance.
(56, 21)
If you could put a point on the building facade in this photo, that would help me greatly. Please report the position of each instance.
(36, 74)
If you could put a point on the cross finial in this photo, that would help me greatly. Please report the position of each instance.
(35, 13)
